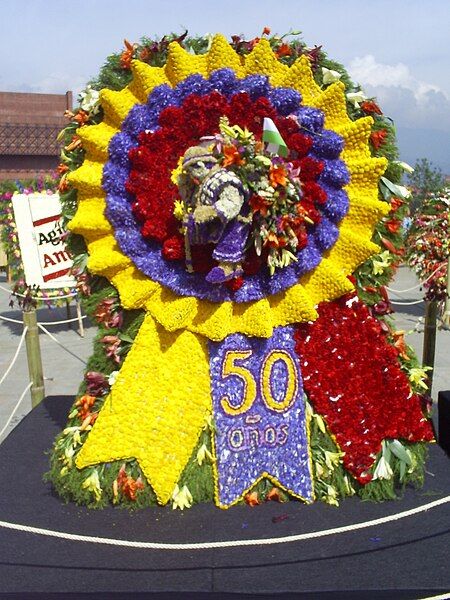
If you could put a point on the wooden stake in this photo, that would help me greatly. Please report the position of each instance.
(68, 313)
(446, 315)
(34, 356)
(429, 339)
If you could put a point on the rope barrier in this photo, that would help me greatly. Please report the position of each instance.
(406, 303)
(15, 408)
(43, 298)
(420, 284)
(228, 543)
(52, 337)
(11, 364)
(2, 318)
(66, 321)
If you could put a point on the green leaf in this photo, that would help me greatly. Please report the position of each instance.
(126, 338)
(396, 190)
(400, 452)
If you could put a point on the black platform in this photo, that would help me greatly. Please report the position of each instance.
(407, 558)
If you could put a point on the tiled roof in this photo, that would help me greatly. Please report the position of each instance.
(29, 139)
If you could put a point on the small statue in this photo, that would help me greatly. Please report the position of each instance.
(215, 212)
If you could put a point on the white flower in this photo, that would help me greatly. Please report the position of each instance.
(384, 261)
(356, 97)
(404, 166)
(92, 484)
(330, 76)
(181, 498)
(332, 459)
(331, 496)
(68, 455)
(90, 100)
(417, 376)
(112, 378)
(383, 470)
(203, 453)
(76, 440)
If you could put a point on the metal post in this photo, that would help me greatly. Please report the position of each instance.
(429, 339)
(34, 356)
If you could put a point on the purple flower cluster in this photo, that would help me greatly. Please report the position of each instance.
(147, 255)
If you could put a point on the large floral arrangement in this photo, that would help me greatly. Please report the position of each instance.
(10, 240)
(428, 246)
(235, 197)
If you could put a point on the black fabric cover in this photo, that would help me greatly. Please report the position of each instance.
(403, 559)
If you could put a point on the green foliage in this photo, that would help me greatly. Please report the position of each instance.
(426, 179)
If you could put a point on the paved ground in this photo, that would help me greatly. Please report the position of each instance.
(63, 371)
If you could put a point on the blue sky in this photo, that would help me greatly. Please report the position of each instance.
(399, 50)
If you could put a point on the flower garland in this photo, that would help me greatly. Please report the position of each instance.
(117, 140)
(10, 240)
(427, 244)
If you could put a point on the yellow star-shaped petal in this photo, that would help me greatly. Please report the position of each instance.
(156, 408)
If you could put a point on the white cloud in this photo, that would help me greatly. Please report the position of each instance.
(409, 101)
(367, 71)
(54, 83)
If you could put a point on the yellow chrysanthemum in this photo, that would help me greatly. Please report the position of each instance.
(167, 418)
(258, 318)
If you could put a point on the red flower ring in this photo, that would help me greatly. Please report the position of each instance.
(182, 127)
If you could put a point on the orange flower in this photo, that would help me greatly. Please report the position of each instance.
(266, 31)
(74, 144)
(390, 246)
(144, 54)
(62, 168)
(232, 156)
(127, 55)
(88, 420)
(259, 204)
(81, 117)
(283, 50)
(371, 107)
(272, 240)
(400, 344)
(396, 203)
(393, 225)
(84, 405)
(252, 499)
(277, 175)
(275, 495)
(127, 485)
(63, 185)
(378, 138)
(252, 43)
(131, 486)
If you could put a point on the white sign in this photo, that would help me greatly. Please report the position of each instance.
(46, 260)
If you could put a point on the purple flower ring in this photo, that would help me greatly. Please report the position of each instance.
(140, 194)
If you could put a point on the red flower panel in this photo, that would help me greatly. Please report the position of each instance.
(353, 379)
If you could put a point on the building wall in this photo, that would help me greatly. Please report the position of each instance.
(29, 125)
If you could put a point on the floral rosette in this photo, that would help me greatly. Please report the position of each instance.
(240, 258)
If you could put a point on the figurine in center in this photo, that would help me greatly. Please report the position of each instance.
(215, 212)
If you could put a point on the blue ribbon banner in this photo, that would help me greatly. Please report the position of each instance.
(259, 413)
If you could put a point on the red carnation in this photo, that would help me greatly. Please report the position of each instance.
(371, 107)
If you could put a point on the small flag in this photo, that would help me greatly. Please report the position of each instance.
(272, 136)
